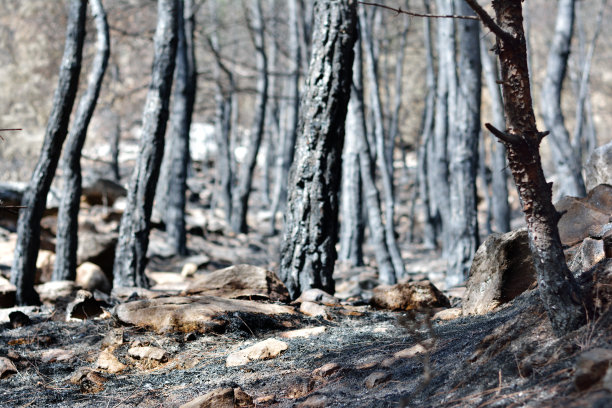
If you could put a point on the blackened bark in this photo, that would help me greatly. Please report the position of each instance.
(566, 161)
(284, 156)
(178, 139)
(67, 217)
(311, 221)
(245, 178)
(35, 196)
(558, 289)
(381, 156)
(500, 207)
(463, 151)
(131, 252)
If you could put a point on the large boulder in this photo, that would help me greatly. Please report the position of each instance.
(581, 215)
(240, 282)
(598, 168)
(501, 270)
(193, 313)
(102, 191)
(408, 296)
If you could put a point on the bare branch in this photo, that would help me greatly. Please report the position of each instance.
(410, 13)
(488, 21)
(503, 136)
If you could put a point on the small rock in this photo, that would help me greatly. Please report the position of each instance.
(218, 398)
(113, 338)
(591, 367)
(83, 307)
(107, 361)
(448, 314)
(50, 292)
(53, 355)
(501, 270)
(597, 168)
(317, 296)
(79, 375)
(307, 332)
(242, 399)
(315, 401)
(189, 269)
(264, 400)
(7, 367)
(263, 350)
(408, 296)
(313, 309)
(90, 277)
(377, 378)
(410, 352)
(45, 262)
(8, 294)
(19, 319)
(588, 254)
(147, 352)
(326, 370)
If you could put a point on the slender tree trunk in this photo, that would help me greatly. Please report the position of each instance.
(463, 151)
(178, 139)
(430, 226)
(115, 136)
(566, 161)
(68, 214)
(245, 178)
(356, 124)
(559, 292)
(310, 231)
(499, 178)
(131, 252)
(35, 197)
(284, 156)
(386, 177)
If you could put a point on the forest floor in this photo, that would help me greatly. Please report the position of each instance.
(359, 356)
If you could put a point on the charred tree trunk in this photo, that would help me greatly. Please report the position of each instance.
(35, 197)
(310, 231)
(174, 181)
(500, 208)
(131, 253)
(245, 179)
(567, 163)
(68, 214)
(284, 156)
(558, 289)
(463, 151)
(381, 156)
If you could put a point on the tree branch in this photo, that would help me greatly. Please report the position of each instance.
(488, 21)
(505, 137)
(410, 13)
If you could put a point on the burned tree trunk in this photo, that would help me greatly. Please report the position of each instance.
(310, 230)
(567, 163)
(463, 151)
(35, 197)
(131, 253)
(245, 178)
(172, 185)
(68, 214)
(559, 292)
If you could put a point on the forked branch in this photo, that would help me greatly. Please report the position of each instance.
(488, 21)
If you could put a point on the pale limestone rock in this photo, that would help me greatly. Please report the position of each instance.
(408, 296)
(306, 332)
(7, 367)
(147, 352)
(107, 361)
(263, 350)
(90, 277)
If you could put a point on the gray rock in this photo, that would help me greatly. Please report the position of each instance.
(501, 270)
(591, 367)
(597, 170)
(408, 296)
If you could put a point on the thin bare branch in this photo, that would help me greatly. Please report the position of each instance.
(488, 21)
(503, 136)
(410, 13)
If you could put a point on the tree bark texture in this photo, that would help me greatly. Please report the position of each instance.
(463, 151)
(559, 292)
(68, 214)
(245, 178)
(35, 197)
(173, 180)
(130, 255)
(381, 156)
(499, 177)
(567, 163)
(310, 227)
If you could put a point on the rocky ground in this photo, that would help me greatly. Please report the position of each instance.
(206, 336)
